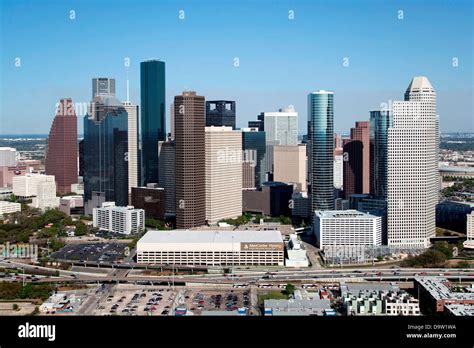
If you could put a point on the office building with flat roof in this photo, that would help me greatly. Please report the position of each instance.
(211, 248)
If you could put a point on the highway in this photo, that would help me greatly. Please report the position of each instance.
(254, 276)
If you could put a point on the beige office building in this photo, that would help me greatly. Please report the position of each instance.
(290, 165)
(132, 156)
(223, 173)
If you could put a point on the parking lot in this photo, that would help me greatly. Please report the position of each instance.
(198, 301)
(139, 300)
(97, 252)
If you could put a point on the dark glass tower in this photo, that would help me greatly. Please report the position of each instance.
(105, 152)
(152, 80)
(380, 122)
(321, 115)
(255, 140)
(220, 113)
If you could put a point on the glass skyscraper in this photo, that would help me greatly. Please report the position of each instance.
(252, 139)
(105, 152)
(152, 83)
(380, 121)
(321, 116)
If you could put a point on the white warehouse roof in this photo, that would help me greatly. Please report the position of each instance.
(212, 237)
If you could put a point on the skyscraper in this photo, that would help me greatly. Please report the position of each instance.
(253, 143)
(223, 173)
(132, 153)
(189, 118)
(380, 122)
(412, 192)
(356, 175)
(103, 86)
(166, 177)
(220, 113)
(105, 153)
(281, 128)
(61, 154)
(321, 116)
(153, 129)
(290, 165)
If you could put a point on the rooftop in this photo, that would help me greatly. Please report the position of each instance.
(211, 236)
(343, 214)
(465, 310)
(439, 290)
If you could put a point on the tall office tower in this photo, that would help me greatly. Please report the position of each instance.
(281, 128)
(290, 165)
(61, 155)
(132, 156)
(357, 160)
(166, 177)
(189, 122)
(321, 115)
(337, 144)
(153, 128)
(253, 143)
(248, 169)
(220, 113)
(380, 122)
(103, 86)
(171, 123)
(338, 171)
(81, 157)
(223, 173)
(412, 192)
(105, 153)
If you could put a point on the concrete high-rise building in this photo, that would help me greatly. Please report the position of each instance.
(469, 243)
(105, 153)
(61, 153)
(132, 155)
(153, 126)
(189, 121)
(171, 123)
(220, 113)
(223, 173)
(290, 165)
(115, 219)
(103, 86)
(281, 128)
(348, 227)
(321, 116)
(357, 160)
(380, 122)
(8, 156)
(40, 188)
(150, 198)
(166, 177)
(413, 167)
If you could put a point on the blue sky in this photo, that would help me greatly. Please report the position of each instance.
(281, 59)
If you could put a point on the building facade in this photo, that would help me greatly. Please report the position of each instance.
(8, 156)
(413, 181)
(254, 146)
(211, 248)
(9, 207)
(289, 164)
(190, 160)
(105, 152)
(223, 173)
(356, 169)
(321, 116)
(153, 119)
(347, 227)
(150, 198)
(380, 122)
(132, 153)
(220, 113)
(271, 199)
(123, 220)
(61, 154)
(166, 176)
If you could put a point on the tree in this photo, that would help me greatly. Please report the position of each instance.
(289, 289)
(81, 229)
(445, 248)
(15, 307)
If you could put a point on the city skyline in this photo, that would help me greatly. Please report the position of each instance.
(250, 70)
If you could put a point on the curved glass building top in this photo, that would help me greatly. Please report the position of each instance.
(321, 116)
(152, 88)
